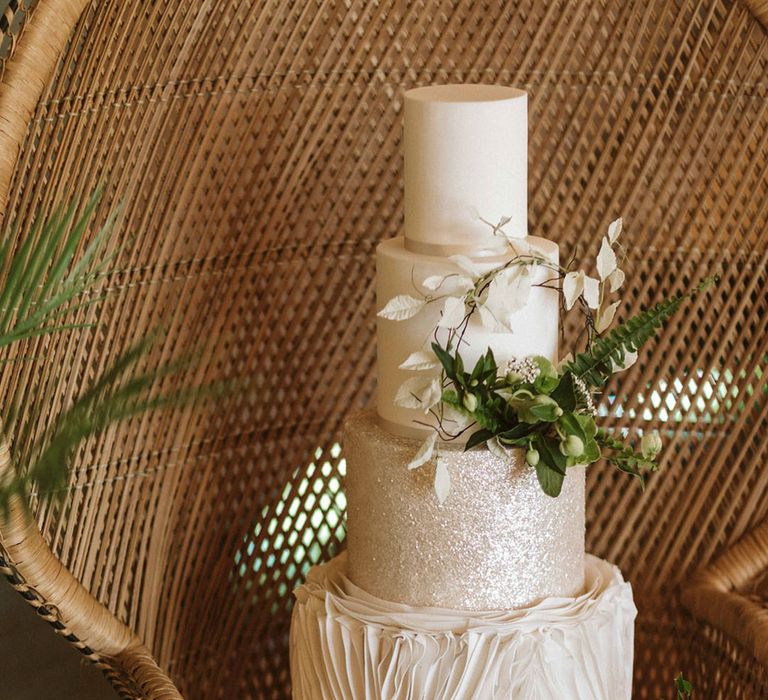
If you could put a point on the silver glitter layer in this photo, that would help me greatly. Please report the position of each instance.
(498, 542)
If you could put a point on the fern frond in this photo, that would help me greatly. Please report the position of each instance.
(596, 366)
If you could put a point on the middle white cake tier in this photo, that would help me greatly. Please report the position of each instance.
(497, 542)
(400, 271)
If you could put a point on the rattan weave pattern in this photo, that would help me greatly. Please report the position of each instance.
(256, 148)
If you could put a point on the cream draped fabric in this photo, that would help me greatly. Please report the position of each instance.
(348, 644)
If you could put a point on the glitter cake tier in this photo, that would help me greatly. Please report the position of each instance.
(498, 542)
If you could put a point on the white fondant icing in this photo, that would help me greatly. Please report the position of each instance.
(465, 150)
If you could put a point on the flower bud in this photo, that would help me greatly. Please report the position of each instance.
(650, 445)
(470, 402)
(532, 457)
(572, 446)
(514, 377)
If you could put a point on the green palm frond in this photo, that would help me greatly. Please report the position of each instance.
(42, 282)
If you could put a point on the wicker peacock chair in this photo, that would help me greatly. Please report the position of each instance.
(256, 148)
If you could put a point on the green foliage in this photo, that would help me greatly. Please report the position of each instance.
(624, 457)
(43, 282)
(684, 688)
(597, 365)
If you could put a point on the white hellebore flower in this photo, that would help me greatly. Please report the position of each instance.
(419, 392)
(577, 284)
(507, 293)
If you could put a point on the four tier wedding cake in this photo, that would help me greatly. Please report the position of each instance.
(464, 575)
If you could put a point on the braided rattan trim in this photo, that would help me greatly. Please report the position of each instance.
(760, 9)
(116, 676)
(720, 595)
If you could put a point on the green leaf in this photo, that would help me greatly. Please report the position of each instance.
(445, 360)
(548, 378)
(519, 431)
(565, 393)
(549, 451)
(478, 438)
(551, 481)
(596, 366)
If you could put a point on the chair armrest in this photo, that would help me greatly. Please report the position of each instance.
(731, 593)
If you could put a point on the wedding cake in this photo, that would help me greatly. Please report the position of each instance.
(465, 576)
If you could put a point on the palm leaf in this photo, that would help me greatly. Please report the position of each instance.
(41, 279)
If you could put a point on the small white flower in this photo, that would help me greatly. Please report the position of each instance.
(425, 452)
(606, 260)
(614, 229)
(606, 318)
(402, 307)
(453, 313)
(420, 360)
(442, 480)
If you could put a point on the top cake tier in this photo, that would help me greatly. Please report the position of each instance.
(466, 158)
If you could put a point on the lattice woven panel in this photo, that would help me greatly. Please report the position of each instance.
(255, 146)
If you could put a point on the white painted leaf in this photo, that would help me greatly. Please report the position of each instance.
(454, 420)
(462, 283)
(425, 452)
(573, 285)
(616, 279)
(489, 321)
(453, 313)
(606, 260)
(508, 292)
(630, 357)
(433, 282)
(442, 480)
(419, 360)
(591, 292)
(432, 395)
(606, 318)
(497, 449)
(614, 229)
(466, 265)
(402, 307)
(410, 392)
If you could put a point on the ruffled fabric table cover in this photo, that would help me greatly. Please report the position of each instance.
(346, 644)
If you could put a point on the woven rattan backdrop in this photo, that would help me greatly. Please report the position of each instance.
(256, 148)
